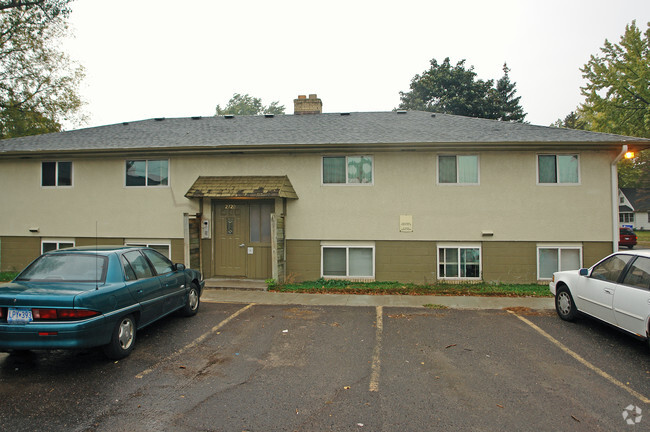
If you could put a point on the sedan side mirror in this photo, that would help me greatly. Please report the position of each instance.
(584, 272)
(179, 267)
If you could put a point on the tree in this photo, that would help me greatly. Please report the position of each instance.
(38, 84)
(573, 120)
(248, 105)
(51, 7)
(456, 90)
(506, 104)
(617, 90)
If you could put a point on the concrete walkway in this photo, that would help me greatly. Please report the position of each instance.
(452, 302)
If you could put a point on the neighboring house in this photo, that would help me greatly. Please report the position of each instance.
(634, 208)
(408, 196)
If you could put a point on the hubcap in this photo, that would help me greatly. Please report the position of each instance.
(564, 303)
(193, 299)
(125, 335)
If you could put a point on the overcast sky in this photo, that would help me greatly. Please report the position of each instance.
(163, 58)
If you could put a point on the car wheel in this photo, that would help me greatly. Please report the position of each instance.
(564, 305)
(192, 302)
(122, 339)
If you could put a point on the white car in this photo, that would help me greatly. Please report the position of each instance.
(615, 290)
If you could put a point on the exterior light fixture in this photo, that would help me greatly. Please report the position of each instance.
(629, 155)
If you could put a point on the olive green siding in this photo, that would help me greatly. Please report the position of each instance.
(405, 261)
(17, 252)
(178, 251)
(303, 260)
(512, 262)
(593, 252)
(416, 261)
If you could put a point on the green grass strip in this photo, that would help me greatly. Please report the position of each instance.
(397, 288)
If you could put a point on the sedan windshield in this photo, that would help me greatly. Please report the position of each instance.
(66, 267)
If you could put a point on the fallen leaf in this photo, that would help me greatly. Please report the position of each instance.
(182, 367)
(346, 388)
(575, 418)
(500, 406)
(449, 346)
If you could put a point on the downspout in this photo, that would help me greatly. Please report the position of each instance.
(615, 229)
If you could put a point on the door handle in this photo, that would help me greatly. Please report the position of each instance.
(242, 245)
(608, 291)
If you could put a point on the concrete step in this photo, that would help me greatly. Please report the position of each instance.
(235, 284)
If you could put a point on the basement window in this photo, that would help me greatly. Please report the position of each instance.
(351, 260)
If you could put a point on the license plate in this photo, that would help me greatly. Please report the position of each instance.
(18, 316)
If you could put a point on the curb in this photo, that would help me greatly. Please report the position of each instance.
(451, 302)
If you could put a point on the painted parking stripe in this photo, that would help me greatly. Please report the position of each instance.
(590, 366)
(376, 359)
(195, 342)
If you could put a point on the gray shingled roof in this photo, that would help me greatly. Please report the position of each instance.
(638, 197)
(308, 131)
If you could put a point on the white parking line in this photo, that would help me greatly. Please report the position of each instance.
(590, 366)
(376, 360)
(195, 342)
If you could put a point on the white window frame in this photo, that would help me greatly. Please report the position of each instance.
(56, 174)
(557, 169)
(57, 241)
(627, 217)
(151, 244)
(347, 246)
(322, 170)
(146, 173)
(460, 246)
(559, 247)
(457, 183)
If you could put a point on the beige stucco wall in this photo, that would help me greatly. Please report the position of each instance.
(508, 202)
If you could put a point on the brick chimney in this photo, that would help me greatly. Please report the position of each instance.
(303, 105)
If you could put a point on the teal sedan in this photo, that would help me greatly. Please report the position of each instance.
(93, 296)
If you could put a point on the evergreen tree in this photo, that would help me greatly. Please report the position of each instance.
(456, 90)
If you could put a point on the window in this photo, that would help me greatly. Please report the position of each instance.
(260, 223)
(55, 174)
(458, 169)
(347, 169)
(639, 274)
(348, 261)
(137, 265)
(611, 268)
(459, 262)
(551, 259)
(163, 248)
(626, 217)
(147, 172)
(557, 169)
(159, 262)
(67, 267)
(50, 245)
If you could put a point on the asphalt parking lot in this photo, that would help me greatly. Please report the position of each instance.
(250, 367)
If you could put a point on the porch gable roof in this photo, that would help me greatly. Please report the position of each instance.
(242, 187)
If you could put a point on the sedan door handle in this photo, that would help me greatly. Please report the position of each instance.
(608, 291)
